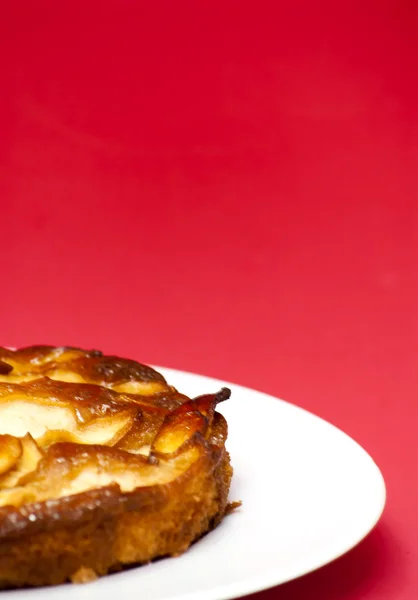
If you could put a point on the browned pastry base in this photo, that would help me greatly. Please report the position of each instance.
(48, 536)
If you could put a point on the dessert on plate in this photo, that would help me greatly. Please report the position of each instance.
(103, 464)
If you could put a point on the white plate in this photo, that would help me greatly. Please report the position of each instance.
(309, 492)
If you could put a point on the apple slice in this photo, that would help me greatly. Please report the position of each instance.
(27, 461)
(10, 452)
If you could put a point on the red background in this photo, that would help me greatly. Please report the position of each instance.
(228, 188)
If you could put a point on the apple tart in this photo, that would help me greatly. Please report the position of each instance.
(103, 464)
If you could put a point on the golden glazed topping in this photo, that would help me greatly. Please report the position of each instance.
(61, 434)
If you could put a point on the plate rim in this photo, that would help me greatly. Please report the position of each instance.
(254, 587)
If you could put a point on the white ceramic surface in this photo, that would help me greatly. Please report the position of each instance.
(309, 493)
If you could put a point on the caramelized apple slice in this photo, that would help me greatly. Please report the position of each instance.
(27, 463)
(189, 419)
(10, 452)
(19, 417)
(80, 366)
(68, 469)
(104, 431)
(35, 408)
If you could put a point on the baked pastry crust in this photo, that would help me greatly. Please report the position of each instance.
(103, 464)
